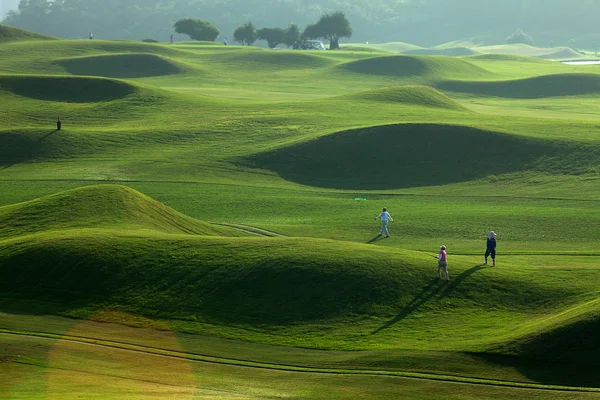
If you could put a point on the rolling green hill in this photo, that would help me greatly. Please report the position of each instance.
(121, 66)
(66, 89)
(415, 66)
(104, 206)
(408, 95)
(10, 34)
(419, 155)
(108, 249)
(531, 88)
(120, 233)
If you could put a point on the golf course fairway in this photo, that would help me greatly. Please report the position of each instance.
(203, 224)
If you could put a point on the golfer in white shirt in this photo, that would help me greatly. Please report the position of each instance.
(385, 217)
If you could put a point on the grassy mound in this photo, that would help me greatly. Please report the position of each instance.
(424, 96)
(103, 206)
(238, 280)
(413, 66)
(66, 89)
(273, 59)
(121, 66)
(10, 34)
(451, 52)
(573, 337)
(530, 88)
(411, 155)
(241, 280)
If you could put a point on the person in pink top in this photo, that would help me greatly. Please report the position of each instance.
(442, 263)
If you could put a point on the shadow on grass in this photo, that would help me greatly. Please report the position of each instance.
(530, 88)
(47, 135)
(563, 373)
(426, 294)
(431, 290)
(455, 282)
(376, 238)
(410, 157)
(18, 149)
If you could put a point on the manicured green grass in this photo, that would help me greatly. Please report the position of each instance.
(286, 142)
(69, 369)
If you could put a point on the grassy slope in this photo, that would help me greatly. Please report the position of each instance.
(106, 206)
(304, 292)
(77, 266)
(10, 34)
(226, 105)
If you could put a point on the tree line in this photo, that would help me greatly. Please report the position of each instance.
(422, 22)
(331, 27)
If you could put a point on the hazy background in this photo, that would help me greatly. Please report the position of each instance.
(423, 22)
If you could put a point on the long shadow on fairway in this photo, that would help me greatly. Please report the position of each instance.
(427, 294)
(47, 135)
(455, 282)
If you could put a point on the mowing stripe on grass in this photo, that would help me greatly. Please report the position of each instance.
(291, 368)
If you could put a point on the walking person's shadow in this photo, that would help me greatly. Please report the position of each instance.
(47, 135)
(454, 283)
(426, 294)
(432, 289)
(376, 238)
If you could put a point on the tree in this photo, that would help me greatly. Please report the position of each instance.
(332, 27)
(245, 34)
(197, 29)
(292, 35)
(520, 37)
(273, 36)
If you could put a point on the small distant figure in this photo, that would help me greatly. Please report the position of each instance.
(442, 263)
(490, 248)
(172, 39)
(58, 124)
(91, 36)
(225, 41)
(385, 217)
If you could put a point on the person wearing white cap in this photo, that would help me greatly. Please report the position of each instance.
(442, 263)
(490, 248)
(385, 217)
